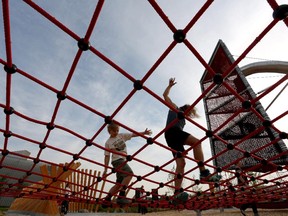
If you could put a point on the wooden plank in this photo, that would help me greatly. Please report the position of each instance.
(78, 189)
(84, 205)
(45, 173)
(95, 185)
(81, 188)
(91, 189)
(47, 180)
(100, 194)
(53, 171)
(48, 207)
(88, 192)
(74, 188)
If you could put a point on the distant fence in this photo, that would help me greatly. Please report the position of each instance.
(82, 179)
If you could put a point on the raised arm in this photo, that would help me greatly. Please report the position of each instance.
(167, 91)
(106, 162)
(146, 132)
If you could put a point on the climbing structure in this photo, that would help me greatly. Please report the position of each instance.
(48, 133)
(239, 121)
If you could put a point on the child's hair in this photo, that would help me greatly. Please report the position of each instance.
(112, 126)
(193, 111)
(184, 107)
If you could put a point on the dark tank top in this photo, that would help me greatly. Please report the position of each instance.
(173, 115)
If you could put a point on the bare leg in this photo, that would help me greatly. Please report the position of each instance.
(180, 162)
(197, 150)
(126, 180)
(117, 187)
(114, 189)
(180, 165)
(198, 155)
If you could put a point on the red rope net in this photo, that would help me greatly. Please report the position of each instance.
(48, 137)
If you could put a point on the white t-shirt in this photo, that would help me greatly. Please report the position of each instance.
(118, 144)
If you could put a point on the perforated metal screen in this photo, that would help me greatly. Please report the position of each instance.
(240, 123)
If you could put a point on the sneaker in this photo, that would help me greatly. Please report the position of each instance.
(106, 202)
(243, 212)
(215, 178)
(205, 173)
(180, 198)
(122, 200)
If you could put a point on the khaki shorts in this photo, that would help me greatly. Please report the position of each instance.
(126, 168)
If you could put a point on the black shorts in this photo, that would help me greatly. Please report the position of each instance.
(175, 138)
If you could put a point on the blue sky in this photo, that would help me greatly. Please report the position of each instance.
(132, 35)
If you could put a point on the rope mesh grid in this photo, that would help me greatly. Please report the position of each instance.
(270, 185)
